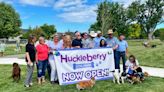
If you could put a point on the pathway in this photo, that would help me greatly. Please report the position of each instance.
(157, 72)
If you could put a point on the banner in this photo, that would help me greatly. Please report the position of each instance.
(83, 64)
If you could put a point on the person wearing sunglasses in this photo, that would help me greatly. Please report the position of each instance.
(133, 68)
(112, 42)
(98, 38)
(77, 42)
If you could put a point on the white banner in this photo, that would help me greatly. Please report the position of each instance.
(83, 64)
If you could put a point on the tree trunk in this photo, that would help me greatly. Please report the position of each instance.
(150, 36)
(151, 32)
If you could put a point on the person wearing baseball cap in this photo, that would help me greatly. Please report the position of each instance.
(98, 39)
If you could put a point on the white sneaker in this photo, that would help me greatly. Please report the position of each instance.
(31, 84)
(27, 86)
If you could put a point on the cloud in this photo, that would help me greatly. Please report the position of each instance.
(44, 3)
(76, 10)
(7, 1)
(83, 15)
(126, 3)
(67, 3)
(68, 10)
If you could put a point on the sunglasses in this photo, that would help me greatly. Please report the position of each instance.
(131, 59)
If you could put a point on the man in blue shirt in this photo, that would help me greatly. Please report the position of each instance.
(121, 52)
(98, 39)
(112, 42)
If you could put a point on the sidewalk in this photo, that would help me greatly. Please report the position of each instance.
(12, 60)
(156, 72)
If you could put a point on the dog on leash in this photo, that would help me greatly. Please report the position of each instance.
(137, 79)
(16, 72)
(86, 84)
(119, 77)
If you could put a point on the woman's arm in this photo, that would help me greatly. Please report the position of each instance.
(36, 57)
(28, 58)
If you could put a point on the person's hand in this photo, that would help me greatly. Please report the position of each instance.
(77, 46)
(30, 63)
(127, 55)
(36, 61)
(135, 67)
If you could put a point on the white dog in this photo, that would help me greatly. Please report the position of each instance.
(117, 77)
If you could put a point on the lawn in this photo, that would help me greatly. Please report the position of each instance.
(11, 50)
(151, 84)
(153, 57)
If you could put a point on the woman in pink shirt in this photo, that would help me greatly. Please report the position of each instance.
(41, 59)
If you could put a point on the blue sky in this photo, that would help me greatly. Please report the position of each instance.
(64, 14)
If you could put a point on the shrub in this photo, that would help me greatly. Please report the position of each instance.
(162, 34)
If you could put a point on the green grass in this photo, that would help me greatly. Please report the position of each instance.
(148, 56)
(153, 57)
(151, 84)
(10, 50)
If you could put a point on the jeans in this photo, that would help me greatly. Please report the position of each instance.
(117, 61)
(41, 67)
(30, 70)
(49, 70)
(114, 55)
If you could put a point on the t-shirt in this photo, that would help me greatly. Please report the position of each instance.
(122, 45)
(77, 42)
(30, 48)
(85, 43)
(97, 41)
(42, 51)
(52, 46)
(112, 42)
(91, 43)
(129, 64)
(61, 41)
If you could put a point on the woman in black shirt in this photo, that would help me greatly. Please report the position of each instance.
(30, 59)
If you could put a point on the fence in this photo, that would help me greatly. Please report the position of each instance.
(12, 41)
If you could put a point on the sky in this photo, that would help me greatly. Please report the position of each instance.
(64, 14)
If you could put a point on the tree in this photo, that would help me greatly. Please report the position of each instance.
(102, 17)
(70, 33)
(37, 31)
(134, 31)
(111, 16)
(9, 21)
(48, 29)
(148, 15)
(161, 34)
(157, 32)
(95, 27)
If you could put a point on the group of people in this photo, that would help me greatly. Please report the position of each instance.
(41, 52)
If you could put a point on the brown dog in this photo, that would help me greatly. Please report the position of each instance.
(16, 72)
(86, 84)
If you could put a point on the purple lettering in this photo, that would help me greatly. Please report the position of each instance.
(63, 58)
(89, 58)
